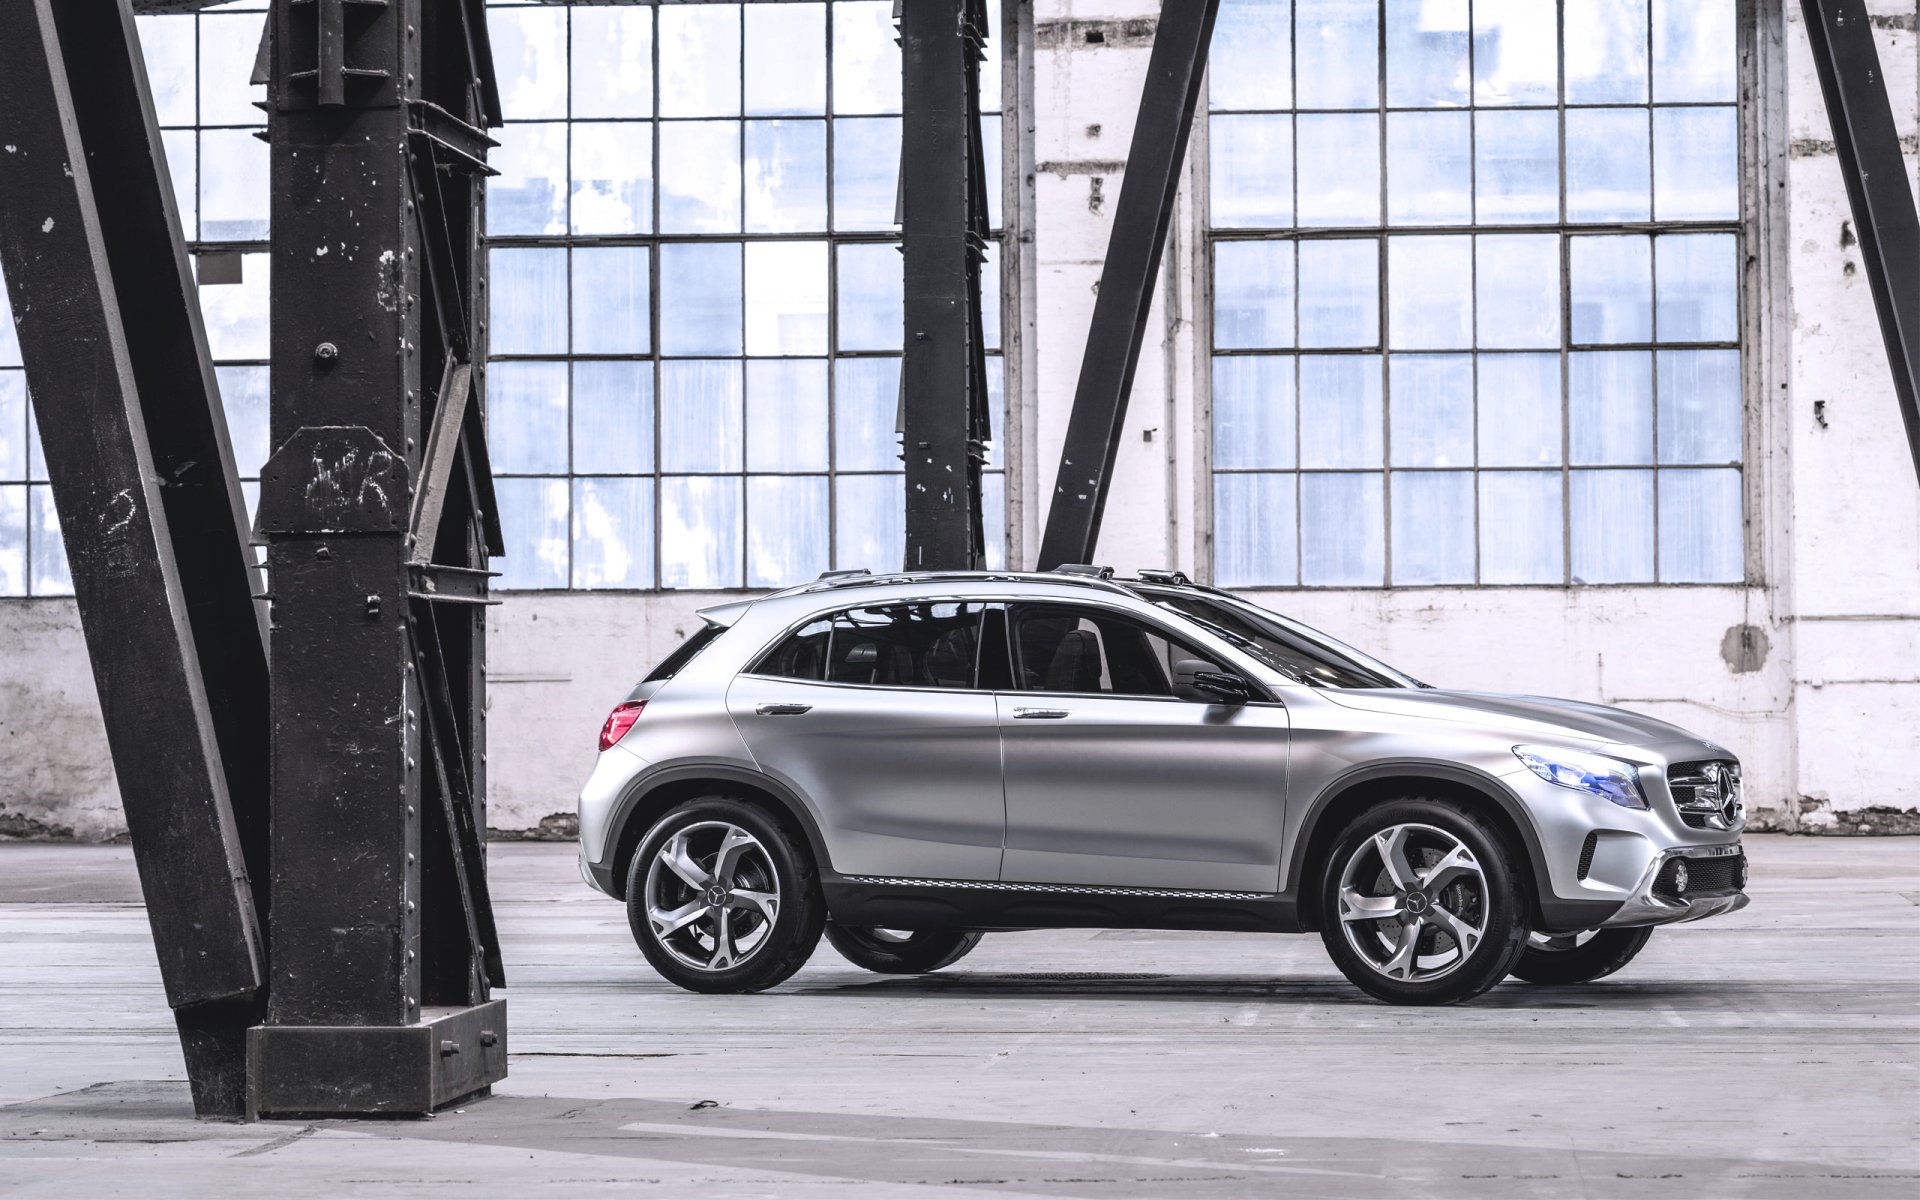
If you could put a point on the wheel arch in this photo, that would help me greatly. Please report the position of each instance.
(663, 789)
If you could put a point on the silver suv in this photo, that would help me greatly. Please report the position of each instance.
(905, 762)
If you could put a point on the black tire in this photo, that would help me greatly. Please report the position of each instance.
(1485, 889)
(900, 951)
(776, 864)
(1574, 961)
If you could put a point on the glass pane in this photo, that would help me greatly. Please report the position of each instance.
(1606, 43)
(1337, 53)
(9, 335)
(36, 456)
(613, 533)
(1610, 407)
(1250, 163)
(786, 58)
(872, 312)
(527, 417)
(527, 289)
(870, 521)
(866, 58)
(1612, 534)
(700, 532)
(613, 177)
(1519, 410)
(997, 411)
(700, 76)
(243, 396)
(1338, 177)
(1432, 410)
(1250, 66)
(235, 314)
(993, 508)
(533, 518)
(229, 44)
(1340, 419)
(1699, 405)
(1517, 290)
(787, 529)
(13, 539)
(1699, 287)
(866, 415)
(1696, 164)
(1695, 51)
(991, 80)
(612, 61)
(1611, 282)
(183, 167)
(1432, 527)
(786, 176)
(700, 299)
(787, 415)
(1255, 531)
(13, 423)
(167, 45)
(1430, 292)
(787, 298)
(530, 61)
(1340, 292)
(612, 418)
(1427, 52)
(1516, 52)
(1516, 163)
(991, 127)
(1607, 164)
(990, 296)
(701, 416)
(47, 559)
(1252, 295)
(1700, 528)
(234, 201)
(1253, 414)
(529, 195)
(611, 304)
(699, 176)
(866, 173)
(1342, 531)
(1429, 168)
(1524, 544)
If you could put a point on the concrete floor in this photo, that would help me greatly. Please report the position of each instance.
(1770, 1053)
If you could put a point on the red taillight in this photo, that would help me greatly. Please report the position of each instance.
(619, 721)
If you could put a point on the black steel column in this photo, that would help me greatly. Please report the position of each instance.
(1868, 146)
(944, 229)
(1140, 220)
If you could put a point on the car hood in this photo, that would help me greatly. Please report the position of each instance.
(1531, 716)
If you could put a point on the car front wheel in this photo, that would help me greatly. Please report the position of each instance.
(901, 951)
(1579, 957)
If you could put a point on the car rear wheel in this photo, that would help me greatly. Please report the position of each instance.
(1421, 903)
(722, 899)
(1579, 957)
(901, 951)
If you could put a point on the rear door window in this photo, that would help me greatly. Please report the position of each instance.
(802, 656)
(922, 645)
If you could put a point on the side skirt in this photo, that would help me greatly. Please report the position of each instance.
(865, 901)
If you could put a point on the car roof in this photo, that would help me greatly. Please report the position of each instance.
(1092, 579)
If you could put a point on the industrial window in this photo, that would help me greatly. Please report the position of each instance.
(1475, 279)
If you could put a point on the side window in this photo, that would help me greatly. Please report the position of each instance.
(802, 656)
(906, 645)
(1059, 649)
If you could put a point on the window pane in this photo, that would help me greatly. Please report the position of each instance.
(47, 561)
(1700, 529)
(1339, 168)
(1516, 167)
(866, 58)
(1699, 405)
(1432, 410)
(1251, 169)
(1337, 53)
(993, 504)
(1610, 407)
(1606, 43)
(787, 298)
(613, 177)
(1607, 164)
(183, 167)
(235, 314)
(229, 43)
(167, 45)
(1343, 531)
(1516, 52)
(1611, 281)
(13, 423)
(1254, 530)
(1696, 164)
(701, 76)
(9, 335)
(529, 195)
(530, 61)
(872, 315)
(1252, 295)
(610, 300)
(699, 176)
(13, 539)
(787, 415)
(700, 416)
(613, 533)
(1699, 287)
(1432, 527)
(1430, 292)
(700, 532)
(1252, 411)
(700, 299)
(243, 397)
(1612, 526)
(866, 410)
(907, 645)
(1427, 52)
(1250, 66)
(990, 296)
(533, 518)
(786, 58)
(996, 411)
(612, 418)
(1340, 423)
(786, 176)
(1524, 544)
(234, 201)
(527, 417)
(866, 173)
(787, 534)
(1340, 292)
(870, 521)
(1519, 410)
(1517, 290)
(527, 289)
(1695, 50)
(1429, 168)
(612, 61)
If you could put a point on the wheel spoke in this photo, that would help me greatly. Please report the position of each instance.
(1406, 951)
(1464, 935)
(724, 952)
(1357, 906)
(667, 921)
(767, 904)
(736, 843)
(680, 861)
(1457, 862)
(1392, 845)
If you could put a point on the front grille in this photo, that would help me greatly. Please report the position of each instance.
(1707, 794)
(1586, 854)
(1705, 877)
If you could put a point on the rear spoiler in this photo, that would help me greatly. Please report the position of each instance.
(724, 615)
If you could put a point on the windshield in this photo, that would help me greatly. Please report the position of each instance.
(1288, 646)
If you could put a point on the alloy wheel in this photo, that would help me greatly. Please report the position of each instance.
(1413, 902)
(713, 894)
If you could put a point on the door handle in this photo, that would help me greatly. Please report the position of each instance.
(782, 710)
(1039, 714)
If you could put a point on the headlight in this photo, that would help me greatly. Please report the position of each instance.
(1617, 781)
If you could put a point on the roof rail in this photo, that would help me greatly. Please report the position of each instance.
(835, 580)
(1164, 575)
(842, 573)
(1083, 569)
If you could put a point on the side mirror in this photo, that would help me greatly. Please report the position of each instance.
(1198, 679)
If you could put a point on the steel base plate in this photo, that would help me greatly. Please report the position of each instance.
(376, 1070)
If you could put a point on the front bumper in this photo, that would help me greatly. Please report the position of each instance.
(1654, 902)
